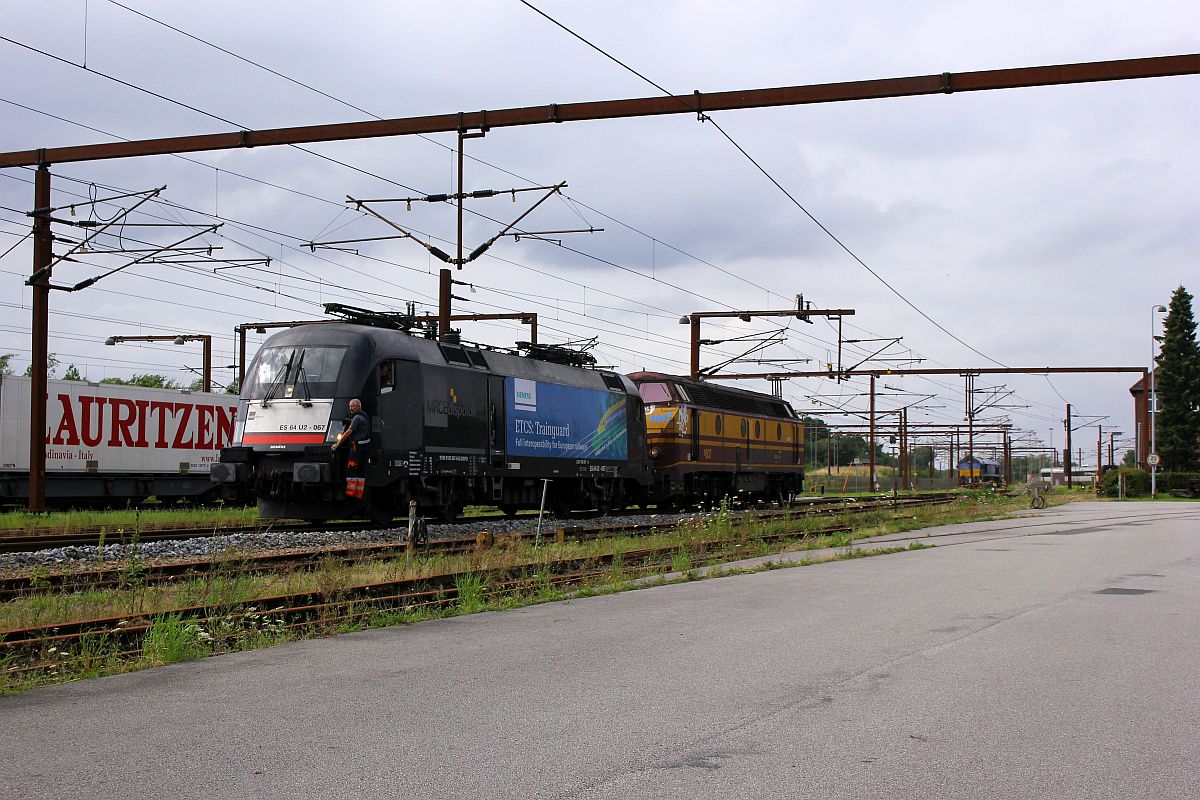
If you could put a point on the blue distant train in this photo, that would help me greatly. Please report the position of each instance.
(975, 470)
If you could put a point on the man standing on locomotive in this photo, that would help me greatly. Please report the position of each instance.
(359, 434)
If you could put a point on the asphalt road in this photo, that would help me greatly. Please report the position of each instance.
(1053, 657)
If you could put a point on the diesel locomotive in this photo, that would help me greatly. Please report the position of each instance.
(455, 425)
(708, 441)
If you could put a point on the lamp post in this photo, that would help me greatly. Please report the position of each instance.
(206, 339)
(1153, 407)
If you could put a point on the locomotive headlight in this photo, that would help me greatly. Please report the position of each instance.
(654, 452)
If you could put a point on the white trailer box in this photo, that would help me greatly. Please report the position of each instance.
(113, 431)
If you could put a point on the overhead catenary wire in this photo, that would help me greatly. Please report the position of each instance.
(623, 349)
(443, 145)
(582, 253)
(771, 178)
(172, 204)
(364, 111)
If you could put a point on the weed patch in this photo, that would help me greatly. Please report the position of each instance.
(172, 639)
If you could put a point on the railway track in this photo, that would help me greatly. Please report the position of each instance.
(97, 538)
(251, 563)
(125, 633)
(233, 563)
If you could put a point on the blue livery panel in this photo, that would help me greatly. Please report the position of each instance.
(555, 421)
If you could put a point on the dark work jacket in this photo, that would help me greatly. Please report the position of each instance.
(360, 429)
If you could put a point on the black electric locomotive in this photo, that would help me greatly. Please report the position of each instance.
(451, 426)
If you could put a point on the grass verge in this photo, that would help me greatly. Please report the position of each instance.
(126, 520)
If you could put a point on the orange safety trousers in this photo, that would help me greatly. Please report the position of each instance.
(355, 483)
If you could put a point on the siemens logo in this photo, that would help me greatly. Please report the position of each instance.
(525, 394)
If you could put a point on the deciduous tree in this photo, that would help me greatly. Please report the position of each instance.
(51, 366)
(147, 381)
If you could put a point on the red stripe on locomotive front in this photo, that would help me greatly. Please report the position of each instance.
(283, 438)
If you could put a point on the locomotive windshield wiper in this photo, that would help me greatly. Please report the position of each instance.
(279, 381)
(302, 377)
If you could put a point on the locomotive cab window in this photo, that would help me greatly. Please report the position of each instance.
(291, 371)
(387, 377)
(612, 382)
(654, 393)
(757, 429)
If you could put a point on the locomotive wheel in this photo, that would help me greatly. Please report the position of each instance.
(382, 511)
(451, 511)
(509, 511)
(559, 506)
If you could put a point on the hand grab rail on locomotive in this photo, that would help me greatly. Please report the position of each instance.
(453, 425)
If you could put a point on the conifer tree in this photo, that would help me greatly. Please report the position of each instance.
(1177, 382)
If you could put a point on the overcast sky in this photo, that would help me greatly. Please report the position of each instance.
(1039, 226)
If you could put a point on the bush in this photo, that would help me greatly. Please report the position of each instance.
(1176, 480)
(1137, 482)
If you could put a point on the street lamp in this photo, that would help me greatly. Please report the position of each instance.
(206, 339)
(1153, 406)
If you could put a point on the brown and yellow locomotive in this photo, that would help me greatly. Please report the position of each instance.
(707, 441)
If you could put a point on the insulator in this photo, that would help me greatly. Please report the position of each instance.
(438, 254)
(484, 193)
(437, 198)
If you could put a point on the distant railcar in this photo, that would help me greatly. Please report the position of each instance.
(707, 441)
(974, 470)
(1080, 476)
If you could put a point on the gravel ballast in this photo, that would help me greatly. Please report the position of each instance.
(267, 541)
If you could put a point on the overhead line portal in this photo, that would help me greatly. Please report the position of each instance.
(695, 103)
